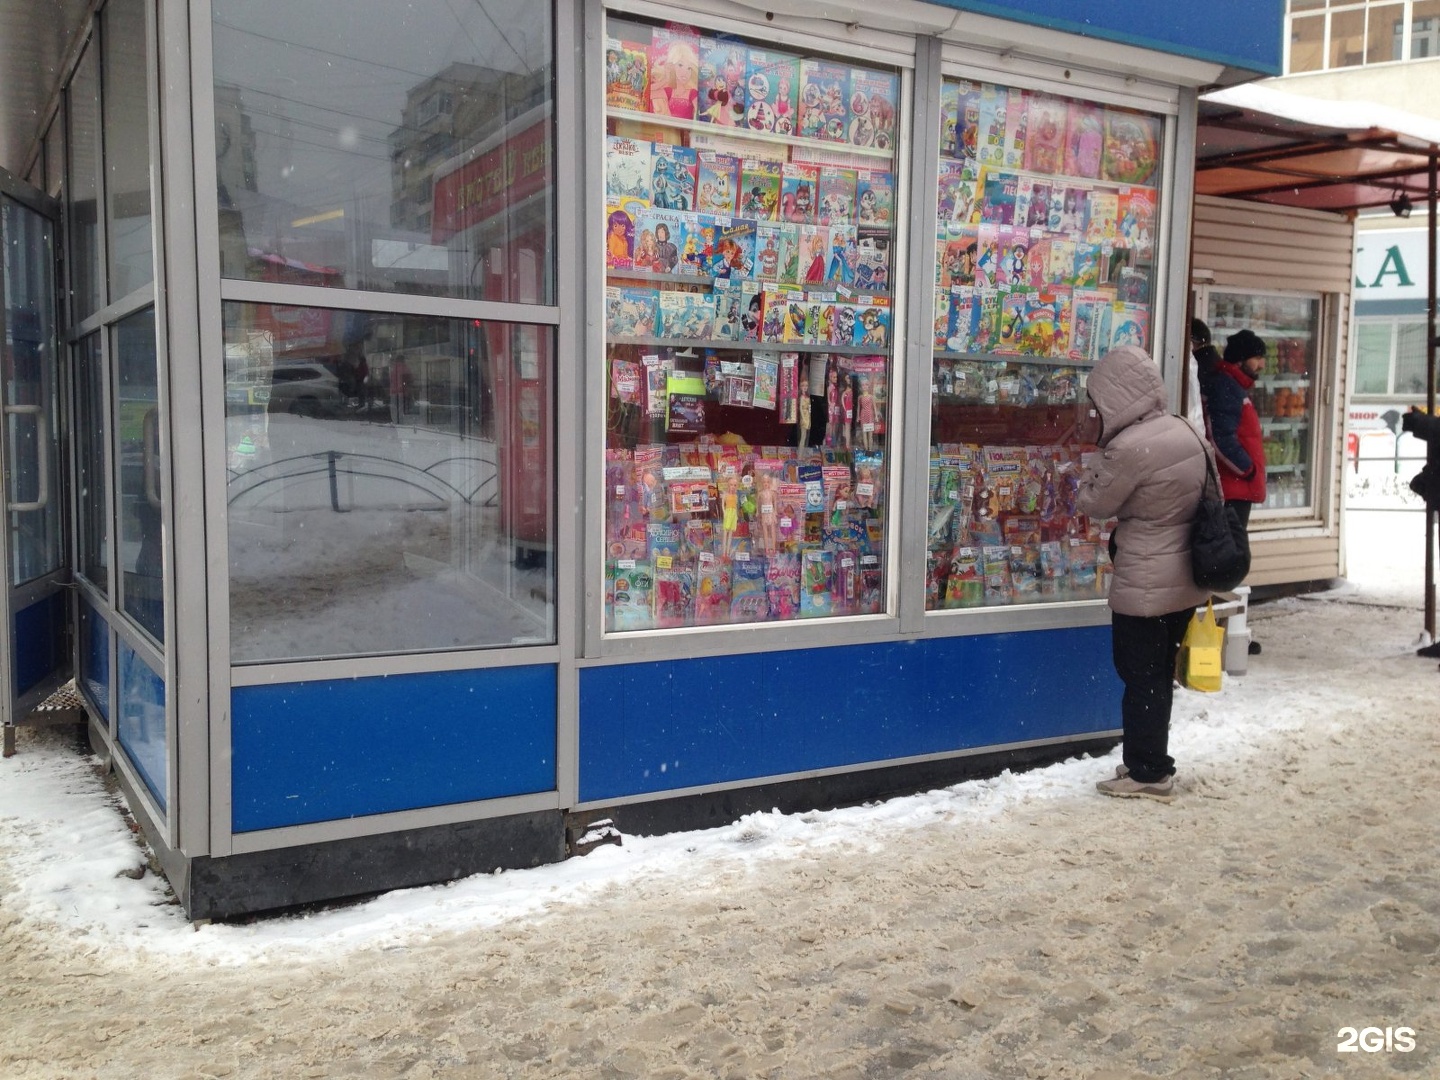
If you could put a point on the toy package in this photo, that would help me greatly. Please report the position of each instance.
(747, 591)
(1025, 571)
(627, 75)
(712, 590)
(760, 189)
(787, 389)
(629, 588)
(817, 582)
(766, 382)
(674, 597)
(965, 584)
(798, 193)
(995, 565)
(782, 586)
(1053, 569)
(1082, 559)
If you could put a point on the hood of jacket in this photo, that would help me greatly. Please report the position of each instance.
(1125, 388)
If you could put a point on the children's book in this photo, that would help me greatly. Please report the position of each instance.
(686, 414)
(873, 95)
(1074, 208)
(1086, 274)
(727, 326)
(619, 238)
(672, 177)
(723, 75)
(1133, 285)
(627, 75)
(698, 245)
(1129, 324)
(968, 117)
(627, 169)
(625, 378)
(733, 255)
(1016, 128)
(962, 314)
(824, 107)
(837, 188)
(814, 251)
(872, 322)
(631, 313)
(1014, 257)
(844, 255)
(776, 310)
(659, 236)
(799, 193)
(874, 197)
(957, 259)
(759, 189)
(674, 72)
(997, 204)
(772, 91)
(1045, 134)
(1136, 229)
(717, 182)
(1102, 217)
(1131, 146)
(1084, 139)
(1090, 324)
(958, 200)
(872, 264)
(950, 118)
(988, 255)
(990, 126)
(769, 256)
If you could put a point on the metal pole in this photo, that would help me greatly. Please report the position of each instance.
(1430, 402)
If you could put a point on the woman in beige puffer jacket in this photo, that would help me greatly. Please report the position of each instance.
(1149, 473)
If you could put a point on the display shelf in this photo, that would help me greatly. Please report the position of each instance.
(844, 291)
(1283, 380)
(726, 345)
(746, 134)
(1290, 423)
(1013, 358)
(1295, 468)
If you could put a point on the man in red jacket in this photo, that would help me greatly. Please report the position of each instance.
(1234, 425)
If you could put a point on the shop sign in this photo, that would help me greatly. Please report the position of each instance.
(1390, 264)
(1372, 418)
(492, 183)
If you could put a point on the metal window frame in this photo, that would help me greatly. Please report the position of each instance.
(207, 823)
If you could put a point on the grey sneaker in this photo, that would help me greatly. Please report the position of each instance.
(1125, 787)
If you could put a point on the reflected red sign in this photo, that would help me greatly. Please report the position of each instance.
(495, 181)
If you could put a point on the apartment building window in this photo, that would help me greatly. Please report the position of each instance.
(1347, 34)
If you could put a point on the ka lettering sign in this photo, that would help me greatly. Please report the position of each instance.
(1390, 264)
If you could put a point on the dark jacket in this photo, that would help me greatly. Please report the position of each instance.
(1234, 428)
(1426, 428)
(1149, 474)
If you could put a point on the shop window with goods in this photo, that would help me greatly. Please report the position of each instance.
(749, 222)
(1045, 259)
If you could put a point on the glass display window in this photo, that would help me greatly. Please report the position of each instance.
(748, 236)
(1044, 260)
(1284, 394)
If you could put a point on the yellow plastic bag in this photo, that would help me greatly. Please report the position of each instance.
(1201, 660)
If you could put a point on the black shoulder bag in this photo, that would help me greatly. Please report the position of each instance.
(1219, 545)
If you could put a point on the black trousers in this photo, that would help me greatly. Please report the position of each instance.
(1242, 510)
(1144, 648)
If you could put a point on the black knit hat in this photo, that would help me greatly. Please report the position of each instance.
(1242, 345)
(1199, 333)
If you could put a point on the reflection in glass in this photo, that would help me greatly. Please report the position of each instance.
(31, 431)
(389, 483)
(1347, 38)
(141, 469)
(395, 153)
(1385, 37)
(141, 725)
(1424, 29)
(1307, 44)
(83, 219)
(127, 148)
(1372, 358)
(1410, 360)
(92, 431)
(95, 658)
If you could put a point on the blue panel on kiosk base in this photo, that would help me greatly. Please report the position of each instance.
(342, 748)
(671, 725)
(39, 641)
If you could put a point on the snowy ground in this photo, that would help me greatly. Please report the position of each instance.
(1017, 927)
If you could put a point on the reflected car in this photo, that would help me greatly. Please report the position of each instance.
(305, 389)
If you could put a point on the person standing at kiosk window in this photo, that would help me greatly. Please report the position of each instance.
(1426, 483)
(1233, 424)
(1148, 473)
